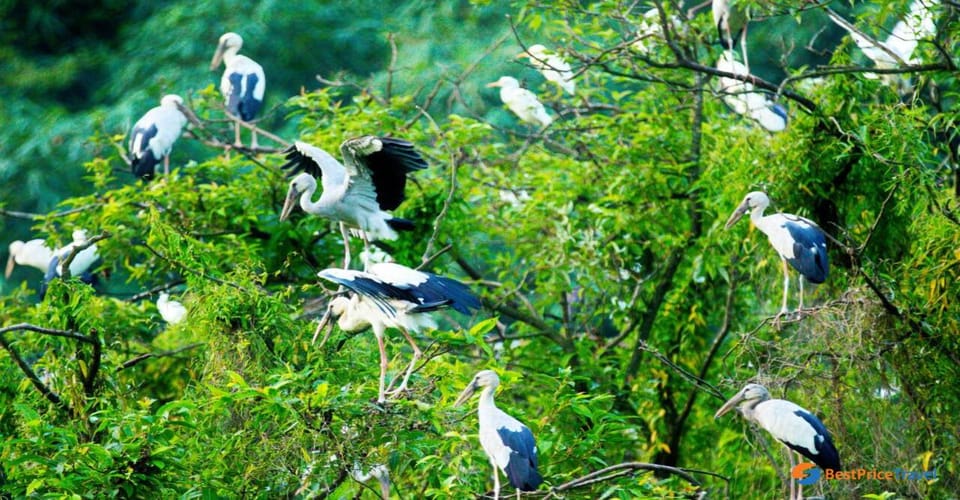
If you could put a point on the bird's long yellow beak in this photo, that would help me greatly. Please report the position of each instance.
(493, 84)
(11, 262)
(737, 215)
(465, 395)
(292, 195)
(729, 405)
(218, 56)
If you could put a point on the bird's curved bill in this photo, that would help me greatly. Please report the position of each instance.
(191, 116)
(729, 405)
(217, 56)
(289, 203)
(10, 263)
(492, 84)
(465, 395)
(736, 215)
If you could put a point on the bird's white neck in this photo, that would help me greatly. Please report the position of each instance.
(229, 55)
(309, 206)
(486, 400)
(756, 216)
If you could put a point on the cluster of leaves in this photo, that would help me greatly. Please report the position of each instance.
(617, 310)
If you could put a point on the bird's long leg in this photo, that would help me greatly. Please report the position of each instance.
(496, 480)
(381, 343)
(236, 132)
(743, 47)
(346, 245)
(800, 307)
(417, 354)
(786, 286)
(253, 138)
(166, 165)
(790, 474)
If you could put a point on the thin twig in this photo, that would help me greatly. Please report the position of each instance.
(162, 354)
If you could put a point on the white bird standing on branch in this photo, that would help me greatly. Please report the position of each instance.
(799, 241)
(358, 192)
(552, 66)
(508, 443)
(522, 102)
(792, 425)
(243, 84)
(389, 295)
(152, 137)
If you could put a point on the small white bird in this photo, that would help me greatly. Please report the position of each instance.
(522, 102)
(34, 253)
(552, 66)
(171, 311)
(508, 443)
(243, 83)
(650, 32)
(153, 136)
(389, 295)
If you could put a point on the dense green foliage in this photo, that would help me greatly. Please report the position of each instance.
(618, 312)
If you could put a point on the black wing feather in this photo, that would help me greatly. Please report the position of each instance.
(142, 161)
(438, 288)
(389, 168)
(298, 162)
(809, 250)
(378, 291)
(249, 106)
(827, 456)
(521, 470)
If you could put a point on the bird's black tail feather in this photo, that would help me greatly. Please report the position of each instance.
(431, 306)
(398, 224)
(143, 167)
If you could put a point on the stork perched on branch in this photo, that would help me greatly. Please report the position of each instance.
(356, 193)
(152, 137)
(392, 295)
(507, 442)
(243, 84)
(799, 241)
(792, 425)
(522, 102)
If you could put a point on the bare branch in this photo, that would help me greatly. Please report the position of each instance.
(29, 373)
(161, 354)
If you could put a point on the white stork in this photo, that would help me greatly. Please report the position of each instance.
(552, 66)
(792, 425)
(153, 136)
(79, 266)
(389, 295)
(358, 192)
(731, 19)
(744, 100)
(507, 442)
(522, 102)
(171, 311)
(34, 253)
(900, 45)
(242, 84)
(798, 241)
